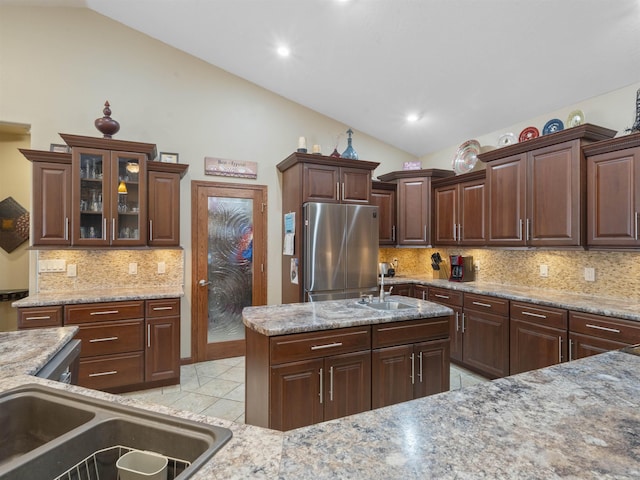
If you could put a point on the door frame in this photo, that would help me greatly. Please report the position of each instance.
(199, 307)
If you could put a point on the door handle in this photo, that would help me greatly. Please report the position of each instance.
(203, 283)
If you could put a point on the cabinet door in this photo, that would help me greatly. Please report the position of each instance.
(613, 187)
(506, 190)
(445, 208)
(404, 289)
(295, 394)
(391, 376)
(90, 200)
(581, 346)
(164, 209)
(321, 183)
(535, 346)
(554, 196)
(431, 368)
(414, 211)
(486, 343)
(128, 199)
(471, 216)
(385, 200)
(421, 292)
(162, 354)
(355, 185)
(347, 384)
(455, 333)
(51, 203)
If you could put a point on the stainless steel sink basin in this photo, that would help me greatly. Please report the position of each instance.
(87, 425)
(390, 305)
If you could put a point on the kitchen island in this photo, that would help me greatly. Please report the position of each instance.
(575, 420)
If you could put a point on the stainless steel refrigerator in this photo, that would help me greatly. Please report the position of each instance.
(340, 251)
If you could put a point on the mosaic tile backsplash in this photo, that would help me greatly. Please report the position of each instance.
(617, 274)
(99, 269)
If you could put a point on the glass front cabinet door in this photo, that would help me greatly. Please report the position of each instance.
(109, 198)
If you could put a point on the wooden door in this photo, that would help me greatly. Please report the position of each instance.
(162, 354)
(534, 346)
(414, 211)
(391, 375)
(613, 187)
(554, 196)
(421, 292)
(91, 175)
(404, 289)
(581, 346)
(385, 199)
(355, 185)
(51, 203)
(455, 333)
(295, 394)
(229, 252)
(431, 368)
(445, 208)
(506, 190)
(471, 216)
(486, 343)
(321, 183)
(347, 384)
(164, 209)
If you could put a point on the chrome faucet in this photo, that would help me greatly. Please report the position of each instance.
(382, 292)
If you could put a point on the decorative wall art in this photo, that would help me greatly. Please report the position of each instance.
(230, 168)
(14, 224)
(168, 157)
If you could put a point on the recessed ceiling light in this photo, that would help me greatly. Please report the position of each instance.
(413, 117)
(284, 51)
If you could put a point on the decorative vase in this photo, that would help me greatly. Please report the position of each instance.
(107, 125)
(350, 151)
(335, 153)
(636, 124)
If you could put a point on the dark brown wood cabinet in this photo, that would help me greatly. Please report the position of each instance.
(421, 292)
(51, 210)
(414, 204)
(39, 317)
(535, 189)
(404, 289)
(162, 349)
(453, 300)
(316, 178)
(538, 337)
(613, 192)
(591, 334)
(459, 210)
(383, 195)
(164, 203)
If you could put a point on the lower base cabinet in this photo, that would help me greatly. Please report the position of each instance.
(591, 334)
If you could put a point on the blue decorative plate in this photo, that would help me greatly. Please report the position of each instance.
(552, 126)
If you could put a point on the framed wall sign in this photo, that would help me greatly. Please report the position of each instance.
(230, 168)
(168, 157)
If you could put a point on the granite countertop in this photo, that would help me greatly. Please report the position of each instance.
(575, 420)
(599, 305)
(307, 317)
(98, 295)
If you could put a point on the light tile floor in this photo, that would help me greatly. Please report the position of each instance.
(216, 388)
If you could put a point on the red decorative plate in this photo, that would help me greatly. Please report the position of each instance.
(528, 134)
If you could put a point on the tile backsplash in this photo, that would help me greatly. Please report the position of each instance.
(617, 274)
(108, 268)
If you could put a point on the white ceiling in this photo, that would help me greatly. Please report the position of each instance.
(468, 67)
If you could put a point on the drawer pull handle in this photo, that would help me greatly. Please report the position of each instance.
(101, 374)
(440, 296)
(328, 345)
(105, 312)
(45, 317)
(606, 329)
(481, 304)
(162, 308)
(105, 339)
(531, 314)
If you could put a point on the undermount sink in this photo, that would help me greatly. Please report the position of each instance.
(389, 305)
(49, 431)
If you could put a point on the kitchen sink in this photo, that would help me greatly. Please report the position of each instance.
(389, 305)
(76, 427)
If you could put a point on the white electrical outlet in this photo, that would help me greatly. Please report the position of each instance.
(544, 270)
(162, 267)
(590, 274)
(72, 270)
(476, 265)
(133, 268)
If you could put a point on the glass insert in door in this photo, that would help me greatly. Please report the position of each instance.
(229, 266)
(128, 225)
(91, 196)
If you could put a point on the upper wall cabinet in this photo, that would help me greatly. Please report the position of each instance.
(383, 195)
(613, 192)
(535, 189)
(414, 204)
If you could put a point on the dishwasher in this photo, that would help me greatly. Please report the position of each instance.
(64, 366)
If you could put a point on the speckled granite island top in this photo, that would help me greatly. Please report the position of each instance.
(98, 295)
(289, 318)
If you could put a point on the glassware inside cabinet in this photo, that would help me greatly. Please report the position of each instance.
(128, 227)
(91, 196)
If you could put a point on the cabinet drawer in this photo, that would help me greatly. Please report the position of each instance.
(616, 329)
(303, 346)
(38, 317)
(483, 303)
(111, 371)
(540, 315)
(111, 337)
(443, 295)
(412, 331)
(166, 307)
(97, 312)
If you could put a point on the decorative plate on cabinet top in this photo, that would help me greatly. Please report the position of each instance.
(506, 139)
(575, 118)
(552, 126)
(528, 133)
(466, 157)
